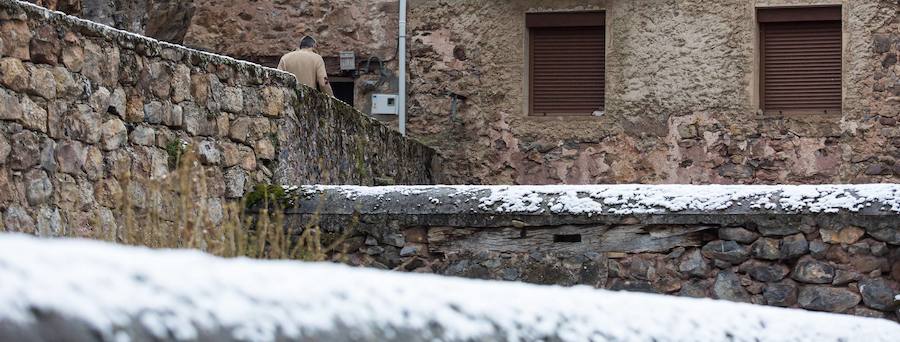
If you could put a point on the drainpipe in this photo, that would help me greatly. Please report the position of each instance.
(402, 53)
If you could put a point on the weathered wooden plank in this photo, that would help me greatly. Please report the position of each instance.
(626, 239)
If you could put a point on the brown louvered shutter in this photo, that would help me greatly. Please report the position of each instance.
(800, 60)
(567, 63)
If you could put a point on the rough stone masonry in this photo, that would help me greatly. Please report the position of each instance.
(823, 248)
(84, 106)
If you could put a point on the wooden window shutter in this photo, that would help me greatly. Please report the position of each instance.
(800, 57)
(567, 63)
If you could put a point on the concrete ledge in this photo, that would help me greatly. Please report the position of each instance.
(873, 207)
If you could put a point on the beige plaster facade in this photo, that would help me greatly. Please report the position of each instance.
(681, 101)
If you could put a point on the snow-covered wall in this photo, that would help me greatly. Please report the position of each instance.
(829, 247)
(88, 291)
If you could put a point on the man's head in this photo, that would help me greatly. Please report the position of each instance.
(307, 43)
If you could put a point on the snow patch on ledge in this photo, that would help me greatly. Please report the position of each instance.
(646, 199)
(181, 293)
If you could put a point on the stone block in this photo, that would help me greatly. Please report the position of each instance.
(794, 246)
(70, 156)
(160, 79)
(181, 84)
(824, 298)
(273, 101)
(813, 271)
(248, 158)
(113, 134)
(209, 153)
(17, 220)
(781, 230)
(45, 45)
(153, 112)
(767, 249)
(248, 129)
(48, 156)
(49, 223)
(99, 100)
(5, 148)
(118, 103)
(93, 164)
(16, 39)
(14, 75)
(696, 288)
(765, 272)
(175, 117)
(83, 124)
(143, 135)
(235, 182)
(783, 294)
(844, 277)
(728, 287)
(25, 151)
(694, 264)
(737, 234)
(264, 149)
(728, 251)
(42, 83)
(39, 189)
(73, 57)
(66, 86)
(101, 64)
(848, 235)
(134, 112)
(10, 106)
(232, 100)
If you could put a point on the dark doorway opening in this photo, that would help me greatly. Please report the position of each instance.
(344, 89)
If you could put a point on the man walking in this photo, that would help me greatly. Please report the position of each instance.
(307, 66)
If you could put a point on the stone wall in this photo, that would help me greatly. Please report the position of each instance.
(83, 107)
(682, 102)
(681, 98)
(828, 248)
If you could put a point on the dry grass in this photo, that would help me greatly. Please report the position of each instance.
(177, 211)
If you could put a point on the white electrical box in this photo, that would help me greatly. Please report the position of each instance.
(384, 104)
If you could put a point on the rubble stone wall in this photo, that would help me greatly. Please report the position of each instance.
(757, 248)
(83, 107)
(681, 97)
(682, 94)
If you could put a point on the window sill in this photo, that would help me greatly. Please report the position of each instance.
(809, 117)
(563, 118)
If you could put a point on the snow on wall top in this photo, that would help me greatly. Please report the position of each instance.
(180, 294)
(639, 199)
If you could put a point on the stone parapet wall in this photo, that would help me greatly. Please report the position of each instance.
(84, 106)
(825, 248)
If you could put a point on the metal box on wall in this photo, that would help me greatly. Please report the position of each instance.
(384, 104)
(348, 61)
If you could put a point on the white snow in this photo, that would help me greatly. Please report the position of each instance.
(181, 291)
(637, 199)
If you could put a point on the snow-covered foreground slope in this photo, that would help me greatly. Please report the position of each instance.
(85, 290)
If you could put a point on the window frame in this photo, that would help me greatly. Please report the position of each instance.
(543, 20)
(795, 14)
